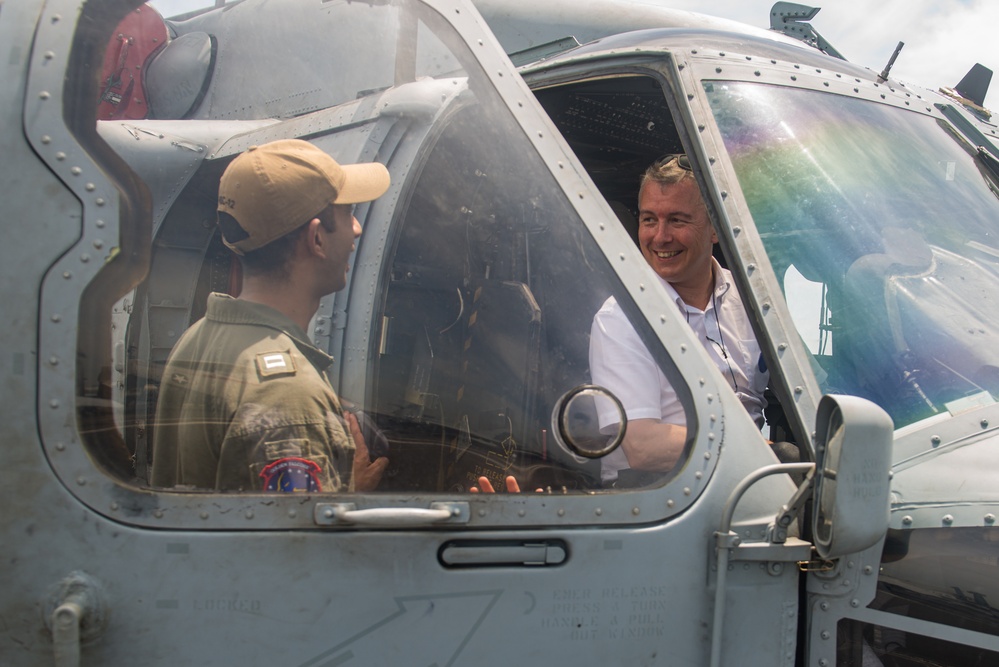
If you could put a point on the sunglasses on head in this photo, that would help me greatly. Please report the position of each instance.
(682, 161)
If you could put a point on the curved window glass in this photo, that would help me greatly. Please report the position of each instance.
(487, 296)
(880, 224)
(466, 317)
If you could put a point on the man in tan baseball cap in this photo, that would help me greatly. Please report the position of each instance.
(245, 403)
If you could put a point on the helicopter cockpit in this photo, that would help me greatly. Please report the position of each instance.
(854, 203)
(857, 220)
(465, 321)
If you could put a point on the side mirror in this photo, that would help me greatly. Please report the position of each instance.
(575, 421)
(852, 475)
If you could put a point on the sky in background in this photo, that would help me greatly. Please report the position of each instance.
(943, 38)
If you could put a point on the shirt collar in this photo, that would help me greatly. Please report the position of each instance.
(227, 310)
(723, 281)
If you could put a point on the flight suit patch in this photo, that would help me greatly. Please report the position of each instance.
(292, 475)
(270, 364)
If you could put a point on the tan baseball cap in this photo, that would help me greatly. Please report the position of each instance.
(273, 189)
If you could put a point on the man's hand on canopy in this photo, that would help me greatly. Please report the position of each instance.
(367, 473)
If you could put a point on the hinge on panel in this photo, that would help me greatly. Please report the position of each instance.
(816, 565)
(339, 319)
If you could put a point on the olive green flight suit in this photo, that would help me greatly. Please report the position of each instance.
(245, 405)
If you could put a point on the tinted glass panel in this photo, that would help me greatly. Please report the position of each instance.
(881, 226)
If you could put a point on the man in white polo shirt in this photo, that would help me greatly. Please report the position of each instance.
(676, 239)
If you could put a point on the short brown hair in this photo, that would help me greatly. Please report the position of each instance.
(668, 170)
(272, 259)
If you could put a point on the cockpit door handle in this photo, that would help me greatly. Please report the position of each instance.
(76, 613)
(341, 514)
(66, 622)
(484, 553)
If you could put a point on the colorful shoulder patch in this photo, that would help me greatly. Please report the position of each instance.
(292, 475)
(270, 364)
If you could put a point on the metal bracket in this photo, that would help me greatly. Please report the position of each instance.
(792, 550)
(790, 18)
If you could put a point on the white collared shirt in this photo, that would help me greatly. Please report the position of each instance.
(620, 362)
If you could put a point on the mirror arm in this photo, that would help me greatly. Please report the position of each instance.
(778, 530)
(757, 475)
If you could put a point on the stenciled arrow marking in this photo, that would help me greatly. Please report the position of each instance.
(414, 632)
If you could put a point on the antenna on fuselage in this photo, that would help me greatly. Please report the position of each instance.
(891, 62)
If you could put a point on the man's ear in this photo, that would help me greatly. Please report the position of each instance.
(315, 240)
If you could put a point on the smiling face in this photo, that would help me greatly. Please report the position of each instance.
(676, 236)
